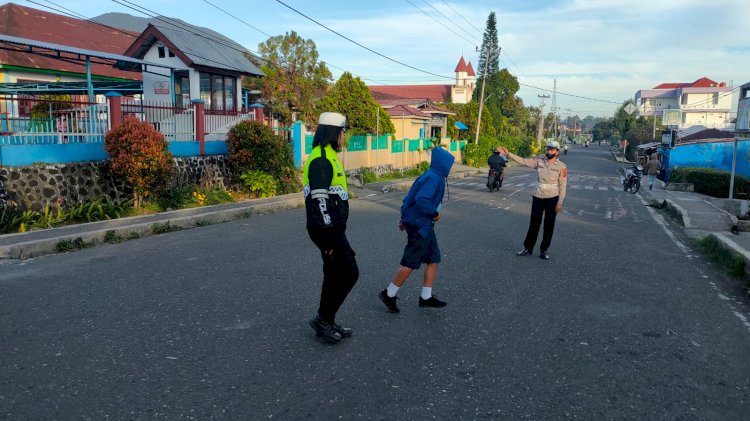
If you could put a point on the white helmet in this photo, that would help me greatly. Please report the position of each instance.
(553, 144)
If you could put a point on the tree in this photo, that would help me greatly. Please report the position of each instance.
(467, 114)
(253, 146)
(139, 154)
(490, 48)
(294, 79)
(350, 97)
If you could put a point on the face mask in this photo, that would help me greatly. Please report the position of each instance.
(550, 155)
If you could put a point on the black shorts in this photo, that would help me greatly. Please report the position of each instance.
(420, 249)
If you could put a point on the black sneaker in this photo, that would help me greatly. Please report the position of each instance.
(544, 255)
(432, 302)
(524, 252)
(345, 332)
(325, 330)
(389, 302)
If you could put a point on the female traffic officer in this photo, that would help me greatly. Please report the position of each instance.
(327, 203)
(548, 198)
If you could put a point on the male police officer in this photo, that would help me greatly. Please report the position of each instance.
(327, 203)
(548, 197)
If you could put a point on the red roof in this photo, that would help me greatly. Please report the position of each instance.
(25, 22)
(461, 66)
(703, 82)
(403, 110)
(470, 70)
(435, 93)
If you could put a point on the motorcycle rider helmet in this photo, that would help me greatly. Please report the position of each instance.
(639, 167)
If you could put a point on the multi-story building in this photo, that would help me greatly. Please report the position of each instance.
(703, 102)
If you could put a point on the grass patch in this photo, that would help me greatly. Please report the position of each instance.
(202, 223)
(730, 262)
(64, 246)
(112, 237)
(161, 228)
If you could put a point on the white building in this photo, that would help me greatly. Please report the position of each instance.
(703, 102)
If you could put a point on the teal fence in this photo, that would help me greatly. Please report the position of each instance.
(413, 145)
(357, 143)
(379, 143)
(397, 146)
(308, 143)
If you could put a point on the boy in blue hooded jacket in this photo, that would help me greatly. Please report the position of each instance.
(419, 212)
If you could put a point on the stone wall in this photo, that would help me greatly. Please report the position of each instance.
(35, 186)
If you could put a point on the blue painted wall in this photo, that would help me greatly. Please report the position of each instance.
(23, 155)
(712, 155)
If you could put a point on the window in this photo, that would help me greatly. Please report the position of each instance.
(716, 98)
(161, 52)
(684, 118)
(683, 100)
(218, 91)
(171, 54)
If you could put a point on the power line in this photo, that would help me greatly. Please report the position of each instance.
(360, 45)
(568, 94)
(462, 17)
(217, 7)
(450, 20)
(440, 23)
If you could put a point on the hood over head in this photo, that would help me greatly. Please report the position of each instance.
(441, 161)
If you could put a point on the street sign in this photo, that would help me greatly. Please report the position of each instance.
(671, 117)
(630, 108)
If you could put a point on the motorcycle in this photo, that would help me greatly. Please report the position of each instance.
(495, 180)
(565, 150)
(632, 179)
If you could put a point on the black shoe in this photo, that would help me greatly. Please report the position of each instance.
(543, 255)
(389, 302)
(325, 330)
(432, 302)
(523, 252)
(345, 332)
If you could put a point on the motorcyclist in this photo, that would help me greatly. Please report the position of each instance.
(497, 163)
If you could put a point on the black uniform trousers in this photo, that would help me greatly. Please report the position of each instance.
(340, 272)
(541, 208)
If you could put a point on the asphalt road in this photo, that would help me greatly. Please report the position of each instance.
(625, 321)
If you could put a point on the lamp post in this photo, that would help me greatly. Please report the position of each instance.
(481, 98)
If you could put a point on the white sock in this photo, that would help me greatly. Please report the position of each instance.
(392, 290)
(426, 293)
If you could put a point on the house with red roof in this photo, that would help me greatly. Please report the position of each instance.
(703, 102)
(412, 109)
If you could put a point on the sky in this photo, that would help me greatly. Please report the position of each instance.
(603, 50)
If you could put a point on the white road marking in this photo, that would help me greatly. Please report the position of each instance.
(589, 187)
(603, 188)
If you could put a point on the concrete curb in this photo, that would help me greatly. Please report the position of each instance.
(678, 211)
(39, 247)
(728, 245)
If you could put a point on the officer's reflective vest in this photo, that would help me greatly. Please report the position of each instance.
(338, 182)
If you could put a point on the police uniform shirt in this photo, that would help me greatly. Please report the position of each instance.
(553, 179)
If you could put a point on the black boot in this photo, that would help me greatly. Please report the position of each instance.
(325, 330)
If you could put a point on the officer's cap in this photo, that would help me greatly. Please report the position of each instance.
(553, 144)
(332, 119)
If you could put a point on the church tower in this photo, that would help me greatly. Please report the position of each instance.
(463, 89)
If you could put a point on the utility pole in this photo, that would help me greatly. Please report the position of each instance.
(481, 98)
(540, 130)
(554, 106)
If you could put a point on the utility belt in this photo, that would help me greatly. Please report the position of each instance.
(324, 193)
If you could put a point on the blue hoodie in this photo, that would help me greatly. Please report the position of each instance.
(422, 203)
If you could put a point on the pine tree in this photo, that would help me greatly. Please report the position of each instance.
(489, 46)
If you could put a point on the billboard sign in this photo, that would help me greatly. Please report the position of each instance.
(671, 117)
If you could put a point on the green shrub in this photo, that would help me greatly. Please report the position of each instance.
(177, 198)
(710, 181)
(259, 183)
(161, 228)
(254, 146)
(368, 175)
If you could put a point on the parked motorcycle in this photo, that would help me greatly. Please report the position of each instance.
(632, 180)
(495, 180)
